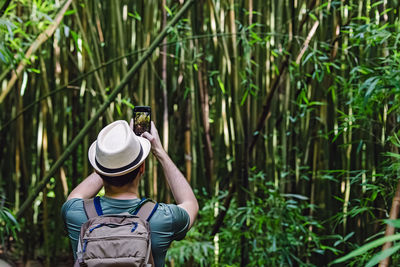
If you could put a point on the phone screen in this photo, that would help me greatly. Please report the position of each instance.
(141, 119)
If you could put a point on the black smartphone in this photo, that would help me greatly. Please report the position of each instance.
(141, 119)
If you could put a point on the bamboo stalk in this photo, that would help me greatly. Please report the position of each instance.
(394, 210)
(98, 78)
(56, 144)
(188, 137)
(390, 230)
(153, 164)
(164, 81)
(204, 98)
(75, 142)
(276, 82)
(43, 165)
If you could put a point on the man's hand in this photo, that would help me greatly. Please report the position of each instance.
(154, 138)
(181, 190)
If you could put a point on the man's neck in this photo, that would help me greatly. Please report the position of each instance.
(124, 195)
(121, 192)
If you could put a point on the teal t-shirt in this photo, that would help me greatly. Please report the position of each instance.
(168, 223)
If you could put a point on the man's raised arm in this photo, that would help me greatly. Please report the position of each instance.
(181, 190)
(88, 188)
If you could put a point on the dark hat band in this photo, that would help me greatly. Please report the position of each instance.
(130, 165)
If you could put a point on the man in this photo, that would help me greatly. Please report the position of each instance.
(118, 157)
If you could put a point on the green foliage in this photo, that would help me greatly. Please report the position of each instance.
(370, 254)
(373, 84)
(193, 248)
(197, 245)
(18, 33)
(275, 225)
(9, 226)
(276, 222)
(379, 256)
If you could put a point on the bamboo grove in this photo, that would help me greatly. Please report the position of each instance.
(282, 115)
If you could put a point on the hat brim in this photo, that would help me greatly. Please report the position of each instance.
(146, 146)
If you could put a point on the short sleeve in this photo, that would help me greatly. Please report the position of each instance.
(70, 205)
(180, 221)
(73, 215)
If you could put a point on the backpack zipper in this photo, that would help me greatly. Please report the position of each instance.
(135, 225)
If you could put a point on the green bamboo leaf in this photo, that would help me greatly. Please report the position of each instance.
(118, 109)
(334, 250)
(34, 70)
(187, 91)
(386, 11)
(135, 15)
(126, 102)
(70, 12)
(244, 97)
(221, 85)
(168, 10)
(316, 103)
(301, 197)
(376, 4)
(367, 247)
(348, 236)
(393, 155)
(382, 255)
(307, 58)
(394, 223)
(11, 217)
(371, 82)
(2, 58)
(313, 16)
(304, 97)
(75, 37)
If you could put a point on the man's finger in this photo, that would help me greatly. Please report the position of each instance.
(146, 135)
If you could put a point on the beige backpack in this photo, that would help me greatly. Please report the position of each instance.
(115, 239)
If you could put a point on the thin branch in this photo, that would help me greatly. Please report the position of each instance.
(307, 42)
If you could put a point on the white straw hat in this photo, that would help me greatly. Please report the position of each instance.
(118, 150)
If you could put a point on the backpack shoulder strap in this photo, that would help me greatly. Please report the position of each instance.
(146, 209)
(92, 207)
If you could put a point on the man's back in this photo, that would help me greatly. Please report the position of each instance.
(168, 223)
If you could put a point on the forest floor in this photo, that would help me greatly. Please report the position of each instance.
(61, 262)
